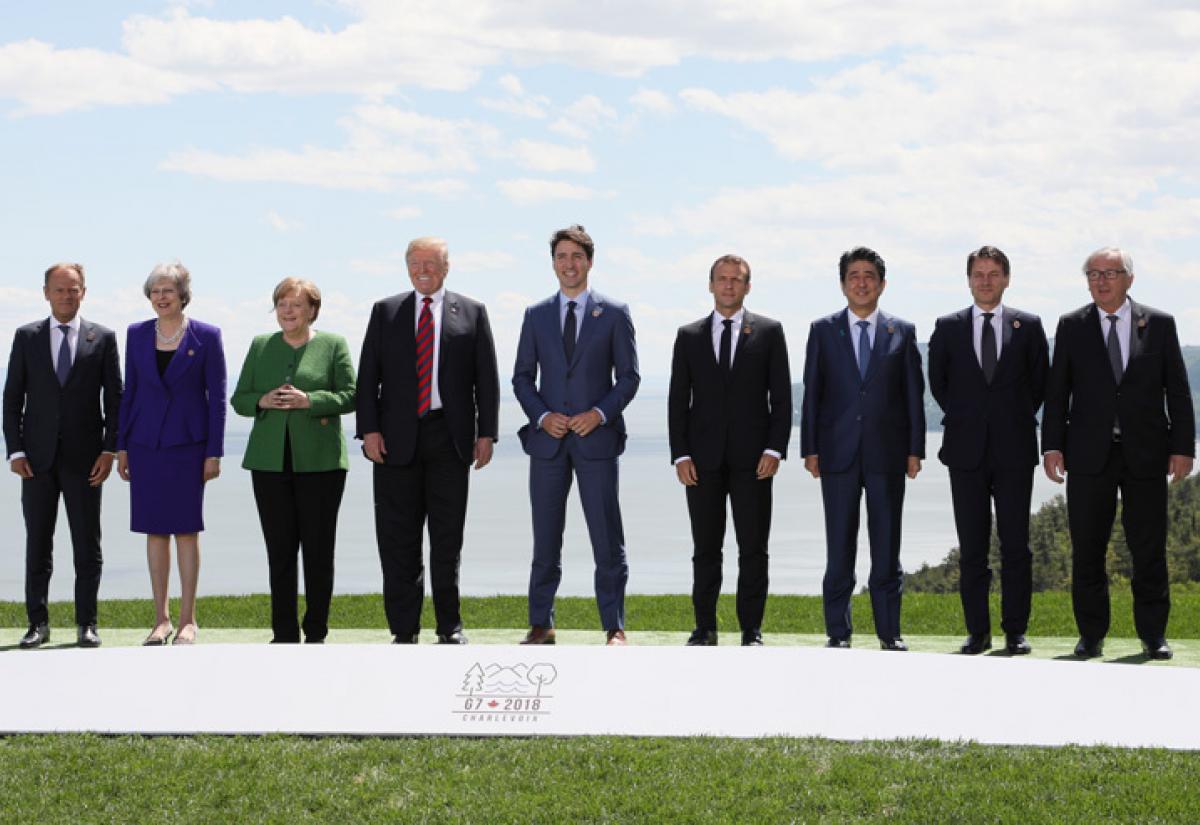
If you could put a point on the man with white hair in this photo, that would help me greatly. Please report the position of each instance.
(1118, 416)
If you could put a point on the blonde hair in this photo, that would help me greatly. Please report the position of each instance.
(305, 287)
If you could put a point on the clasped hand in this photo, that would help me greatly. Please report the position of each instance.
(284, 397)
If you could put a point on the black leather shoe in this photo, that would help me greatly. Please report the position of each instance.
(36, 636)
(752, 638)
(838, 642)
(975, 644)
(406, 640)
(1016, 645)
(88, 637)
(455, 638)
(702, 638)
(1089, 648)
(1157, 649)
(892, 644)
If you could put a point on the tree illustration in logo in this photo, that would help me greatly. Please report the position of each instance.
(473, 681)
(540, 674)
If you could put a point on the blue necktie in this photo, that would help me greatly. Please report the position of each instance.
(63, 368)
(569, 327)
(864, 349)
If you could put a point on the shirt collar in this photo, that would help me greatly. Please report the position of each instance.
(580, 300)
(737, 317)
(437, 297)
(977, 311)
(853, 319)
(73, 323)
(1122, 311)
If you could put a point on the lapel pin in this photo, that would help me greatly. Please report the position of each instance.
(1016, 324)
(746, 330)
(596, 312)
(91, 336)
(454, 307)
(324, 422)
(1141, 323)
(891, 329)
(191, 352)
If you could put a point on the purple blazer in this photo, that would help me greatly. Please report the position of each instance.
(187, 404)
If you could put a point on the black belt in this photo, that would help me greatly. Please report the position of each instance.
(433, 415)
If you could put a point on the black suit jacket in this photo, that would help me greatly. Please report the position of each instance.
(717, 417)
(75, 421)
(999, 418)
(1153, 401)
(468, 379)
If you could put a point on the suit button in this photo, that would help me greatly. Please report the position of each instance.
(859, 418)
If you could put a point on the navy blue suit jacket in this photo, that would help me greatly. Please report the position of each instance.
(187, 404)
(603, 374)
(881, 416)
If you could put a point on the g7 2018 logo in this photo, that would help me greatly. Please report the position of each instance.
(498, 692)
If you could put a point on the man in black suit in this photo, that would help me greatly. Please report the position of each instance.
(61, 398)
(1118, 416)
(987, 371)
(729, 414)
(428, 407)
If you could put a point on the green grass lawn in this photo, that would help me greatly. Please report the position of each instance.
(85, 779)
(934, 614)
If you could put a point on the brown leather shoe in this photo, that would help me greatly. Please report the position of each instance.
(539, 635)
(616, 638)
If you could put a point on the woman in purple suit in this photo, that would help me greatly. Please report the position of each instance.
(171, 438)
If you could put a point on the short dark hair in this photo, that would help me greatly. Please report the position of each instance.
(861, 253)
(729, 259)
(576, 233)
(990, 253)
(69, 267)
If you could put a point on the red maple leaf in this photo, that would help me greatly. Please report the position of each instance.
(493, 704)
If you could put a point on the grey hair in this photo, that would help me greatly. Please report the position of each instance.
(428, 242)
(1126, 258)
(174, 271)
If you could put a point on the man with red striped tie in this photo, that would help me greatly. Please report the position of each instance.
(428, 408)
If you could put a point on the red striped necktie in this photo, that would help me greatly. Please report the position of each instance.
(424, 357)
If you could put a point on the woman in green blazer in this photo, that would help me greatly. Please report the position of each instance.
(296, 383)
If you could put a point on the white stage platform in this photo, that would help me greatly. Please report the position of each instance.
(503, 690)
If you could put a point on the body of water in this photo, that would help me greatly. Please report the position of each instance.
(499, 540)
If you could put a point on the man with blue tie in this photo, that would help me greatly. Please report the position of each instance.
(862, 429)
(61, 397)
(576, 370)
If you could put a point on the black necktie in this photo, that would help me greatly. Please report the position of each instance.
(864, 349)
(569, 331)
(1114, 349)
(725, 359)
(987, 347)
(63, 368)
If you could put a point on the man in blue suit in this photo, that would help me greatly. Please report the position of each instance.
(862, 427)
(576, 371)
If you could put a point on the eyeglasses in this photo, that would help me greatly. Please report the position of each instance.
(1106, 274)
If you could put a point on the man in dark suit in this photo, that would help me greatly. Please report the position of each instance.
(61, 398)
(576, 370)
(428, 406)
(1118, 416)
(729, 414)
(862, 428)
(987, 371)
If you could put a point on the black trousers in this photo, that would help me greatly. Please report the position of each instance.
(973, 492)
(298, 512)
(432, 488)
(1091, 509)
(39, 502)
(750, 499)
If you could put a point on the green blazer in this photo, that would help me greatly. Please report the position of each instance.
(326, 373)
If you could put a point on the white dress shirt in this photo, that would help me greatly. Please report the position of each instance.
(852, 320)
(735, 330)
(997, 328)
(435, 309)
(1124, 327)
(56, 336)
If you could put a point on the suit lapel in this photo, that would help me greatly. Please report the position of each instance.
(748, 321)
(1091, 320)
(405, 321)
(41, 349)
(83, 347)
(1137, 333)
(884, 329)
(841, 323)
(1007, 333)
(186, 354)
(589, 320)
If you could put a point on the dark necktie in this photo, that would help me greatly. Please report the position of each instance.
(987, 347)
(63, 368)
(424, 357)
(864, 349)
(569, 331)
(725, 359)
(1114, 349)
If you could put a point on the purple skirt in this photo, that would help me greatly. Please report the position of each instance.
(166, 489)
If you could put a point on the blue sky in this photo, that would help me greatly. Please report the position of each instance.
(257, 140)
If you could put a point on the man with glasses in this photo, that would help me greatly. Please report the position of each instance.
(1118, 417)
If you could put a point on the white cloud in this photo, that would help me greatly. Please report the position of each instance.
(525, 191)
(583, 116)
(517, 101)
(481, 261)
(551, 157)
(280, 223)
(653, 101)
(404, 213)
